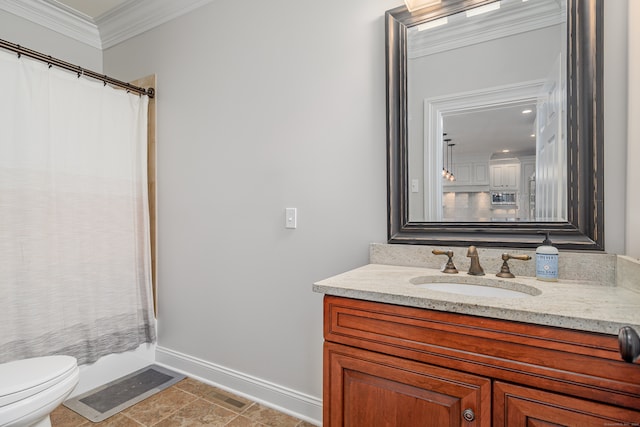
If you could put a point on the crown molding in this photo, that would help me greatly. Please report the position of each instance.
(137, 16)
(57, 17)
(127, 20)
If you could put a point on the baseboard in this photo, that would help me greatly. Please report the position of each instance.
(289, 401)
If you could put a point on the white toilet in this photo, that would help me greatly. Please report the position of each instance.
(30, 389)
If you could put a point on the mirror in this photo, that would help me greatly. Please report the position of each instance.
(495, 94)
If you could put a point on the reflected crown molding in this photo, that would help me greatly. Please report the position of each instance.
(514, 17)
(128, 20)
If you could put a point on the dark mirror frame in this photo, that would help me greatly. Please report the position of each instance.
(584, 228)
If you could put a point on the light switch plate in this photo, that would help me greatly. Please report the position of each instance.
(291, 217)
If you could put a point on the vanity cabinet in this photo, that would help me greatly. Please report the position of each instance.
(369, 387)
(389, 365)
(516, 406)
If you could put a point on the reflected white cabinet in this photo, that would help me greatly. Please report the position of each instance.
(505, 176)
(469, 173)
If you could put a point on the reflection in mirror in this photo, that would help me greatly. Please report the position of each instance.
(460, 76)
(471, 76)
(493, 164)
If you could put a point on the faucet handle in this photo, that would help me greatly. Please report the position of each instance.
(504, 270)
(450, 268)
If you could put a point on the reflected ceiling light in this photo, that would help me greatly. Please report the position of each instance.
(419, 4)
(505, 151)
(483, 9)
(533, 135)
(527, 111)
(432, 24)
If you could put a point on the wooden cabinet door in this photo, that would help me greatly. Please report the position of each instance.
(367, 389)
(516, 406)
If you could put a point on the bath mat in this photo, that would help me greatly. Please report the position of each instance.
(103, 402)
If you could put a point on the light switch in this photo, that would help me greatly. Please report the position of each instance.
(291, 217)
(415, 186)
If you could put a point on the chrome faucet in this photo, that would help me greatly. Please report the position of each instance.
(474, 269)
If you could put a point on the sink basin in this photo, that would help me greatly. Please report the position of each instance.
(474, 290)
(479, 287)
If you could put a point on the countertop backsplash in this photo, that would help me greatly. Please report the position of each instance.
(628, 273)
(589, 267)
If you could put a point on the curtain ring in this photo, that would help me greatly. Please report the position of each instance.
(49, 62)
(80, 72)
(18, 51)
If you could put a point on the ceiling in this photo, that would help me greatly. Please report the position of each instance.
(493, 130)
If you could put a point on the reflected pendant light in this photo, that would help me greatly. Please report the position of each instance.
(445, 158)
(452, 177)
(444, 170)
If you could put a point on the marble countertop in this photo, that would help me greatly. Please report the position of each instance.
(566, 304)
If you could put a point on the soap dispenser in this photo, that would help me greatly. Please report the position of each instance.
(547, 261)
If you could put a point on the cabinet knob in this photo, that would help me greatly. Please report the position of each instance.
(629, 343)
(468, 415)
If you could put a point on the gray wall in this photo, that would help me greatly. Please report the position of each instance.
(633, 150)
(262, 106)
(616, 185)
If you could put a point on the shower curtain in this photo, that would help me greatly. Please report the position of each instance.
(75, 270)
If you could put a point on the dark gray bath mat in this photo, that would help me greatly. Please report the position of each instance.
(101, 403)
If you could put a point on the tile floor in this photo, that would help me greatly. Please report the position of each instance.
(186, 403)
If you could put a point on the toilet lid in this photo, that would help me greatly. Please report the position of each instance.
(18, 377)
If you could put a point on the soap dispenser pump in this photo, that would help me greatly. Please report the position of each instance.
(547, 261)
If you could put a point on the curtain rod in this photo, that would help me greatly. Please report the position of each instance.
(150, 92)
